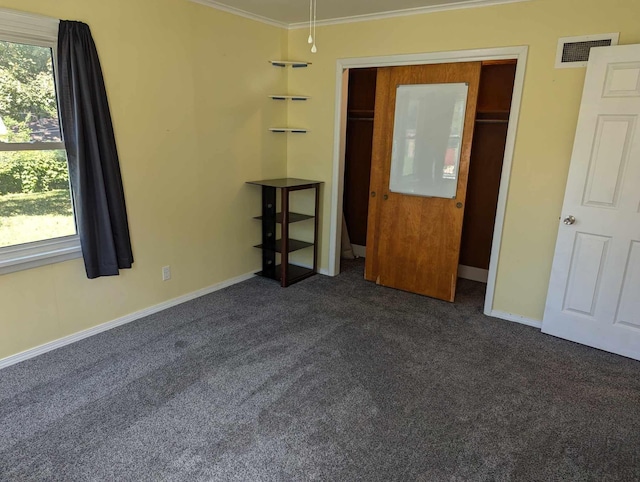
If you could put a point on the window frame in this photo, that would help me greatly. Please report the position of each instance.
(30, 29)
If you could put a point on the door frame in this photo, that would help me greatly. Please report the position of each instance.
(517, 53)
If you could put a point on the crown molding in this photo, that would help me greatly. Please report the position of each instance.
(357, 18)
(242, 13)
(405, 12)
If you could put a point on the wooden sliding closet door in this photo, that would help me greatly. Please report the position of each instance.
(413, 236)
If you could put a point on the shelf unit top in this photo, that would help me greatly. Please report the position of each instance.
(285, 182)
(295, 64)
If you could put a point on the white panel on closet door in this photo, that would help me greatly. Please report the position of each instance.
(427, 136)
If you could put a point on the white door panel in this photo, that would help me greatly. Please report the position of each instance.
(629, 307)
(585, 273)
(594, 291)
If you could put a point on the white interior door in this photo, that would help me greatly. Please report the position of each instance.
(594, 292)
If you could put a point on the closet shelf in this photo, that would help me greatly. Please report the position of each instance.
(294, 64)
(295, 130)
(289, 97)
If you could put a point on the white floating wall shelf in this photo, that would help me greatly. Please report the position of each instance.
(289, 97)
(295, 130)
(295, 64)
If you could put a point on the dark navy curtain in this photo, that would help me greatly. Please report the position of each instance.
(94, 168)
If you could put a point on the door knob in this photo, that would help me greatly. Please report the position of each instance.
(373, 194)
(569, 220)
(385, 197)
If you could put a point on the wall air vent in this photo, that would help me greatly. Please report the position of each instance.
(573, 52)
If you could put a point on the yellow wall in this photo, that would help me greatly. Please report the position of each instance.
(188, 90)
(187, 86)
(547, 123)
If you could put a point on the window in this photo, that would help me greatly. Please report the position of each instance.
(37, 224)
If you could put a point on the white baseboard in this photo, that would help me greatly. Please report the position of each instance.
(515, 318)
(67, 340)
(359, 251)
(473, 274)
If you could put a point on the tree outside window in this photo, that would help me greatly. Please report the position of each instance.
(35, 201)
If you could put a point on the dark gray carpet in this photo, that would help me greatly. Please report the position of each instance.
(330, 379)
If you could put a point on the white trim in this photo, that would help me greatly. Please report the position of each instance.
(81, 335)
(355, 18)
(516, 318)
(339, 154)
(519, 53)
(32, 146)
(425, 58)
(505, 179)
(405, 12)
(16, 26)
(473, 274)
(359, 251)
(39, 253)
(614, 37)
(242, 13)
(22, 27)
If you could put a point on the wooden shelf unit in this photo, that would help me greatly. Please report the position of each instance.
(285, 272)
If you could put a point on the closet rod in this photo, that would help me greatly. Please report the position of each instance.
(493, 121)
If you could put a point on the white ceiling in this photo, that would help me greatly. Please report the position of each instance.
(294, 12)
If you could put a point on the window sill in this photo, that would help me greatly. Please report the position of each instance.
(39, 253)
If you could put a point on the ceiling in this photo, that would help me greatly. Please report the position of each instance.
(291, 13)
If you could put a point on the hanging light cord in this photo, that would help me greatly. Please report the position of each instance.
(310, 40)
(314, 49)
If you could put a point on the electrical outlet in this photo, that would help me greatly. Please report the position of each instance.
(166, 273)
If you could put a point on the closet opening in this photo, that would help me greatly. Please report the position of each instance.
(493, 110)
